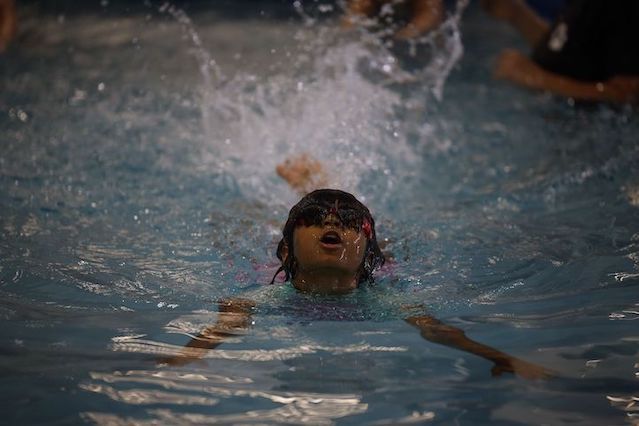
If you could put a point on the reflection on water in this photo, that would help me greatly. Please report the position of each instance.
(135, 344)
(187, 389)
(629, 404)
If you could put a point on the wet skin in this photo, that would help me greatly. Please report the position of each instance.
(328, 256)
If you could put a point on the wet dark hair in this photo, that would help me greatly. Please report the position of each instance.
(353, 214)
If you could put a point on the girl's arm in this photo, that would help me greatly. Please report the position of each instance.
(438, 332)
(518, 68)
(234, 318)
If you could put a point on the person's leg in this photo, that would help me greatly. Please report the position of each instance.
(521, 16)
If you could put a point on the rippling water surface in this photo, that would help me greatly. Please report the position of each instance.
(137, 188)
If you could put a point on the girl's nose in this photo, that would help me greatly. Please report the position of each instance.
(332, 219)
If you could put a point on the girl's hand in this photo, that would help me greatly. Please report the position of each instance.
(303, 173)
(521, 368)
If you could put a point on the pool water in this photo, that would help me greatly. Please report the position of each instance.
(137, 188)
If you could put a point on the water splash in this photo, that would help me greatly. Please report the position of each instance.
(209, 69)
(340, 97)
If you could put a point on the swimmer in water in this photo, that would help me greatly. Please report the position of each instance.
(329, 246)
(589, 53)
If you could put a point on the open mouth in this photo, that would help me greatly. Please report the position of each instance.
(331, 238)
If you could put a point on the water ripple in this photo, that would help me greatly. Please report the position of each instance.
(295, 407)
(152, 347)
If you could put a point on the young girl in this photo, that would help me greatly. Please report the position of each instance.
(329, 246)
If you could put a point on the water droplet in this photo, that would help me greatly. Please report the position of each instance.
(78, 96)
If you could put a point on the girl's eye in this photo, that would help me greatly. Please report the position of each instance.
(312, 217)
(351, 219)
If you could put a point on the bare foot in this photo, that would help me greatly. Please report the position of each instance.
(303, 173)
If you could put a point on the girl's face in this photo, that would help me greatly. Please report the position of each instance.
(329, 246)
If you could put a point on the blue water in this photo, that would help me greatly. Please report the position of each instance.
(138, 187)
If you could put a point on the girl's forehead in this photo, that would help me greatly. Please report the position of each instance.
(335, 202)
